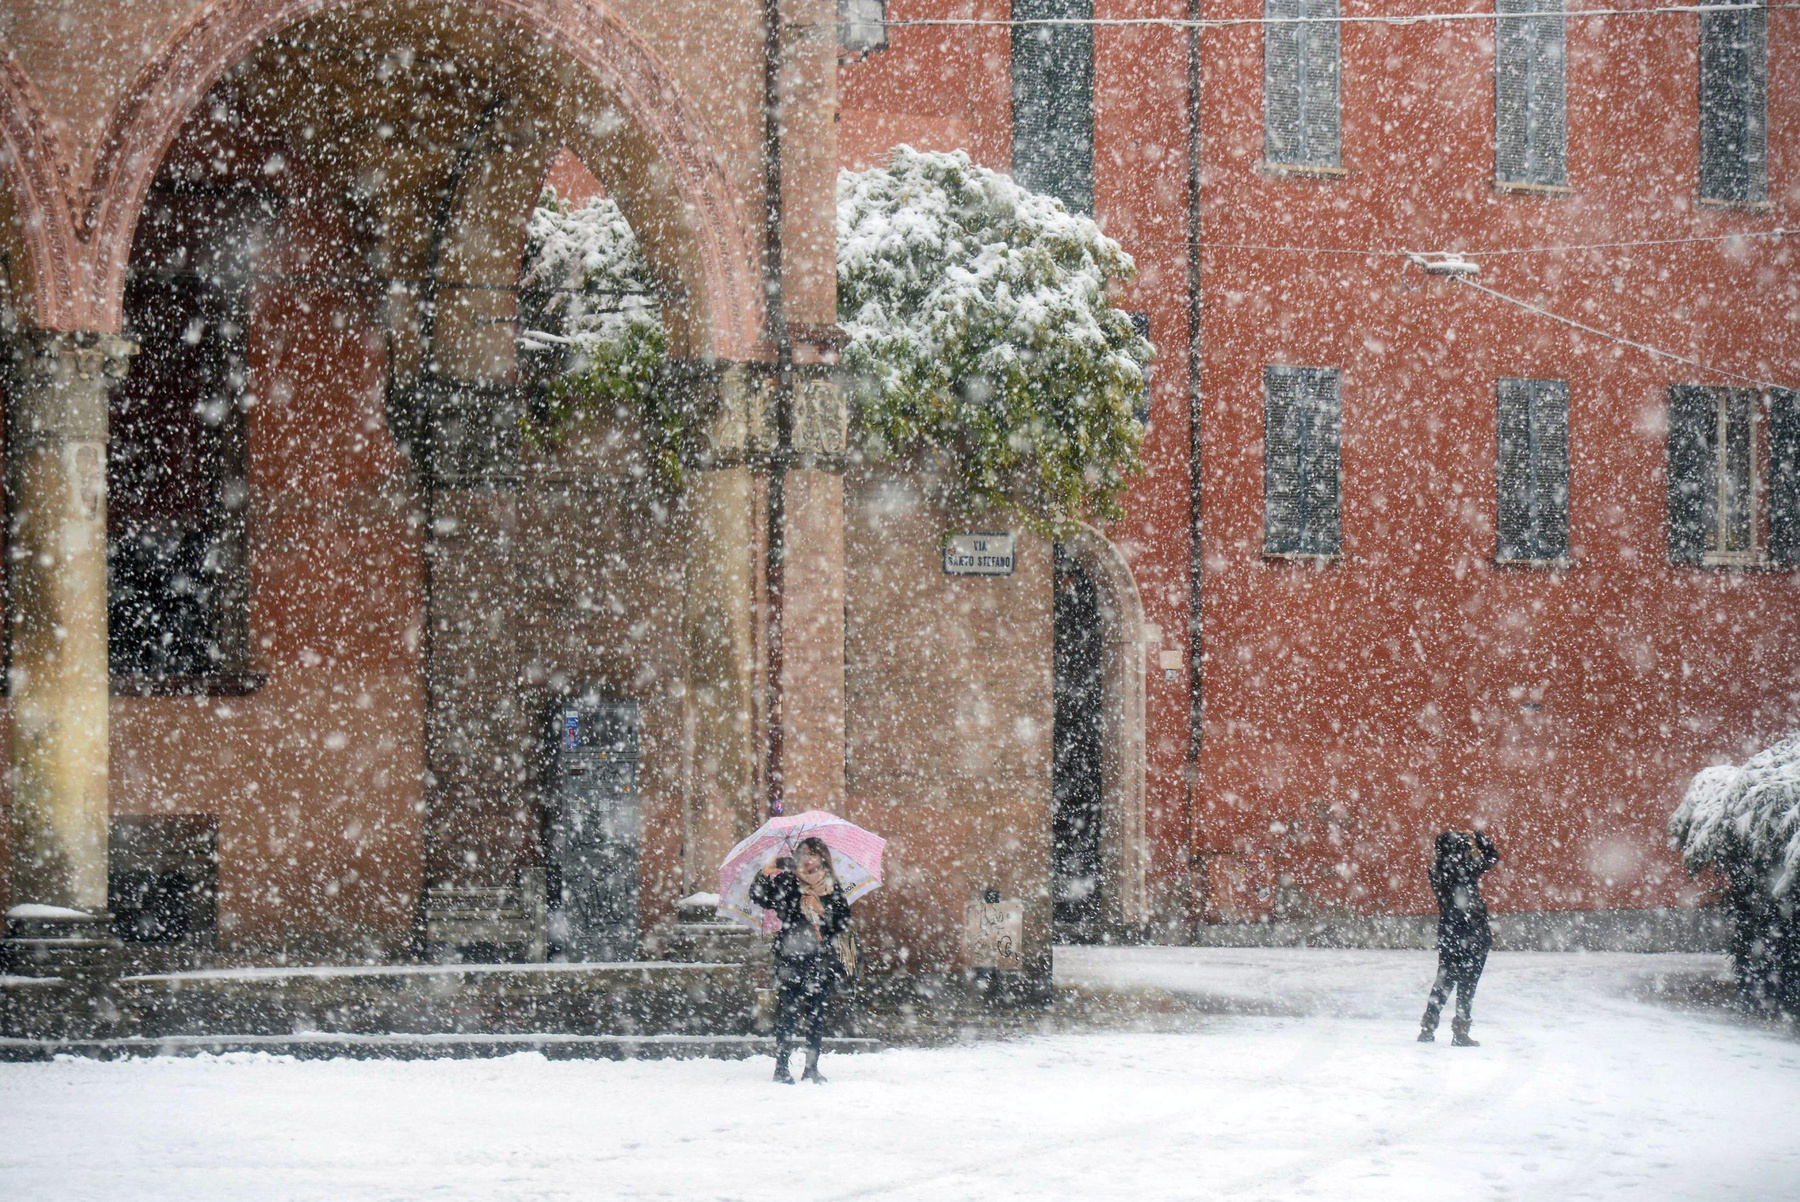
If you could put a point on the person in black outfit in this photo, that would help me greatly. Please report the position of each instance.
(805, 895)
(1463, 935)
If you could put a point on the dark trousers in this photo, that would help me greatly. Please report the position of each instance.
(1461, 972)
(800, 1007)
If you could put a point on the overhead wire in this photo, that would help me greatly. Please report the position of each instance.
(1633, 343)
(1393, 19)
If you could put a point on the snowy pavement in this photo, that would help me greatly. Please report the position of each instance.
(1299, 1078)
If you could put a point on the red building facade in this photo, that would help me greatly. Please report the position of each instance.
(1313, 719)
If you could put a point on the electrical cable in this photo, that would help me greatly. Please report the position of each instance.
(1529, 307)
(1177, 23)
(1383, 252)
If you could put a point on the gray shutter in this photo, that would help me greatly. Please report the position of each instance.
(1053, 101)
(1549, 97)
(1550, 468)
(1513, 472)
(1734, 105)
(1784, 477)
(1319, 137)
(1281, 83)
(1323, 459)
(1693, 424)
(1283, 416)
(1512, 98)
(1530, 94)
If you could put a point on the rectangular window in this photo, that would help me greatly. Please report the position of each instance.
(1302, 419)
(1300, 83)
(862, 25)
(1053, 101)
(1530, 93)
(1532, 471)
(177, 491)
(1734, 94)
(1734, 476)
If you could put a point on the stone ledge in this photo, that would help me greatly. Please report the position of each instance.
(422, 1046)
(1657, 930)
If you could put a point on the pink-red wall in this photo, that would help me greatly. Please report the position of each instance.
(1353, 708)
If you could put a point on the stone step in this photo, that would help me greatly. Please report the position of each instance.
(318, 1045)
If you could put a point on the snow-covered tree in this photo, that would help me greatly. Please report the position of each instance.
(1744, 823)
(979, 325)
(591, 336)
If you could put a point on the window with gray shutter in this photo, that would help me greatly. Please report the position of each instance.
(1302, 424)
(1053, 101)
(1532, 477)
(1300, 83)
(1530, 93)
(1734, 85)
(1734, 476)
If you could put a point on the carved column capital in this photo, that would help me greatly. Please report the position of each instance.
(57, 383)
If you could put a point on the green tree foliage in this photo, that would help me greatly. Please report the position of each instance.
(591, 340)
(978, 325)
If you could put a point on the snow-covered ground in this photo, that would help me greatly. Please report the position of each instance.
(1299, 1078)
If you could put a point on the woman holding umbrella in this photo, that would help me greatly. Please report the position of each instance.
(804, 894)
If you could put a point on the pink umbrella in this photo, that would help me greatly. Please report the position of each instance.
(855, 857)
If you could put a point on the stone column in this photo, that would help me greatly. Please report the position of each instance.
(56, 524)
(718, 617)
(812, 663)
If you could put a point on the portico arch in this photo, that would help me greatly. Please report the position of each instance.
(36, 231)
(691, 225)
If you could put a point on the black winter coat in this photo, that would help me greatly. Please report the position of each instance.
(802, 952)
(1463, 932)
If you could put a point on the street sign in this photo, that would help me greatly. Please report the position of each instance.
(979, 555)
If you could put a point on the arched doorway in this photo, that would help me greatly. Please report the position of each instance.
(1099, 852)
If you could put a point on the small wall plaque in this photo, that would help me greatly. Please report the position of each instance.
(979, 555)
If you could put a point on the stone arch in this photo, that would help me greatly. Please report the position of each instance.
(35, 215)
(1124, 843)
(717, 269)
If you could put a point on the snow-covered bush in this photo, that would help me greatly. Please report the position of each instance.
(978, 324)
(591, 337)
(1744, 823)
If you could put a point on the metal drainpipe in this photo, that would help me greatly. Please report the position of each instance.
(775, 563)
(1196, 648)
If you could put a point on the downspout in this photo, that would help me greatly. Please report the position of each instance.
(1195, 361)
(775, 563)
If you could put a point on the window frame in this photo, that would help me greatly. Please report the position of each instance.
(1746, 172)
(1279, 25)
(1525, 21)
(1534, 541)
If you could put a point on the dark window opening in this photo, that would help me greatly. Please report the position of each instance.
(177, 594)
(1076, 784)
(163, 878)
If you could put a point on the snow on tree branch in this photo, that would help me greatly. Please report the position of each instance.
(1749, 813)
(978, 324)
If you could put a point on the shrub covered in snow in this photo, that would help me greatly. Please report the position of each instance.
(1744, 823)
(591, 337)
(978, 324)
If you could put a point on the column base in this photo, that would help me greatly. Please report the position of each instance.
(51, 941)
